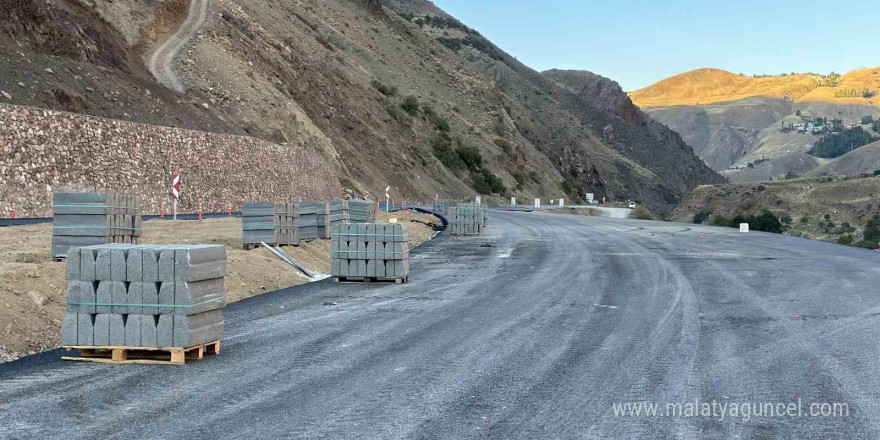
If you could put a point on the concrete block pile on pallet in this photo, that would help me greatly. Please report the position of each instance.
(86, 219)
(361, 211)
(369, 251)
(308, 220)
(337, 213)
(441, 206)
(466, 219)
(272, 223)
(323, 220)
(144, 296)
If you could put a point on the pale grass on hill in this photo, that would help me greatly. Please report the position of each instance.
(708, 86)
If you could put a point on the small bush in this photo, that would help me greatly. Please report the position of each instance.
(384, 89)
(503, 144)
(845, 240)
(410, 105)
(805, 219)
(439, 122)
(702, 215)
(470, 156)
(641, 213)
(867, 244)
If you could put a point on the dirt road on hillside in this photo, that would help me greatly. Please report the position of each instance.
(162, 60)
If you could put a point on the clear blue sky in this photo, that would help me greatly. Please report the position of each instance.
(639, 42)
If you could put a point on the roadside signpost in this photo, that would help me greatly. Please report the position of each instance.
(388, 199)
(537, 203)
(513, 201)
(175, 191)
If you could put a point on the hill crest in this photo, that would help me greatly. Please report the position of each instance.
(709, 86)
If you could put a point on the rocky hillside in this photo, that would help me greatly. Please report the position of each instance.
(824, 208)
(732, 120)
(393, 92)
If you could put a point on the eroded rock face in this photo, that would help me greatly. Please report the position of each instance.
(602, 92)
(43, 151)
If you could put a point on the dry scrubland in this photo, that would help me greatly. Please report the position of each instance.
(32, 287)
(845, 200)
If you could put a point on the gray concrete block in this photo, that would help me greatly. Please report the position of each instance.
(203, 296)
(165, 331)
(72, 265)
(134, 265)
(85, 329)
(166, 265)
(150, 270)
(73, 296)
(119, 295)
(135, 295)
(133, 331)
(104, 295)
(150, 295)
(102, 329)
(79, 203)
(117, 330)
(88, 294)
(199, 263)
(79, 225)
(166, 296)
(69, 333)
(149, 332)
(103, 265)
(88, 270)
(191, 330)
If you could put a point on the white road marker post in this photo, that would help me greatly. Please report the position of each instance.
(388, 199)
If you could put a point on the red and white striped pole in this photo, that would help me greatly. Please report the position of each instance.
(13, 209)
(230, 210)
(162, 209)
(200, 211)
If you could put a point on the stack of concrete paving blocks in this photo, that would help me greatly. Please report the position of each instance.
(370, 252)
(441, 206)
(308, 220)
(323, 220)
(337, 213)
(272, 223)
(144, 296)
(361, 211)
(286, 224)
(466, 219)
(86, 219)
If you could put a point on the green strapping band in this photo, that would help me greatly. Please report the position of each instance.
(94, 205)
(369, 235)
(96, 227)
(176, 306)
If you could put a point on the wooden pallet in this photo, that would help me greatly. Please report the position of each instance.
(369, 280)
(142, 355)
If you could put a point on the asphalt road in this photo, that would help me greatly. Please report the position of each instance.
(532, 331)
